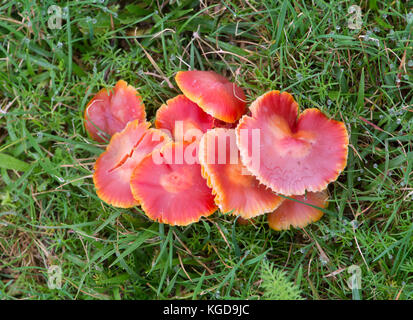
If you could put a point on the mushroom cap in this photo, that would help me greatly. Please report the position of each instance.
(114, 167)
(183, 118)
(171, 189)
(235, 188)
(298, 215)
(215, 94)
(109, 112)
(295, 155)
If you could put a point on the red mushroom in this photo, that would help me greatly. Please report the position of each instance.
(170, 189)
(183, 118)
(114, 167)
(235, 189)
(296, 214)
(109, 112)
(296, 155)
(215, 94)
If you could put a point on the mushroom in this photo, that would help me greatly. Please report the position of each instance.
(170, 189)
(245, 222)
(109, 112)
(215, 94)
(183, 118)
(296, 214)
(296, 155)
(114, 167)
(235, 189)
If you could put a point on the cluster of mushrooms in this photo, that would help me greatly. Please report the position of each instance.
(208, 151)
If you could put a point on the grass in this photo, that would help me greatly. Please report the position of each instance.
(50, 214)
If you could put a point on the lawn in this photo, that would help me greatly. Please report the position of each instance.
(50, 214)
